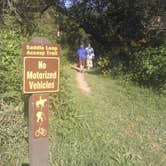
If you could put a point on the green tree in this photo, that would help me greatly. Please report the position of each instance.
(26, 12)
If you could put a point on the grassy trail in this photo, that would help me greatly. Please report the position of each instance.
(114, 124)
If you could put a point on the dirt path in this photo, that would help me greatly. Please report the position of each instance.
(83, 85)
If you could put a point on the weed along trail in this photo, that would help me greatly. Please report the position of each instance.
(113, 123)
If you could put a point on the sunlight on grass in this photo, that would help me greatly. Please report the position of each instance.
(117, 124)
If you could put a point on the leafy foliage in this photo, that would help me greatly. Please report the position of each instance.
(73, 33)
(127, 36)
(149, 66)
(13, 136)
(11, 65)
(27, 12)
(144, 65)
(13, 121)
(111, 22)
(13, 126)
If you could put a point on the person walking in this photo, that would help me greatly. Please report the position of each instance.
(90, 56)
(82, 54)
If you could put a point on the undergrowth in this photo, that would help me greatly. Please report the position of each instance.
(13, 110)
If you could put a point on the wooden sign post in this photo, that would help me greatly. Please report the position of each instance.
(41, 76)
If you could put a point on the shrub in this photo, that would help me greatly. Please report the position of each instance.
(13, 123)
(10, 65)
(149, 66)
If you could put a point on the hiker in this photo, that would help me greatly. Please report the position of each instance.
(90, 56)
(82, 54)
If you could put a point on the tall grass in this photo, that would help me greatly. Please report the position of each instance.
(117, 124)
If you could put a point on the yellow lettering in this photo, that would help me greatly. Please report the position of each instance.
(34, 47)
(35, 53)
(41, 75)
(41, 85)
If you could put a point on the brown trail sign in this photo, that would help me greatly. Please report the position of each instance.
(41, 68)
(41, 63)
(41, 74)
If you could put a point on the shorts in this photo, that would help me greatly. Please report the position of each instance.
(82, 58)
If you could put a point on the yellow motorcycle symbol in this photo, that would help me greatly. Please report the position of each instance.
(40, 131)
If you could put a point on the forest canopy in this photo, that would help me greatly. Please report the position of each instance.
(124, 33)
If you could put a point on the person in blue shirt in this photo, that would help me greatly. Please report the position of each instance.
(82, 54)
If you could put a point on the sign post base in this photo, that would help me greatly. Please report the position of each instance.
(38, 147)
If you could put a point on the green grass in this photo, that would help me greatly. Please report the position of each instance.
(117, 124)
